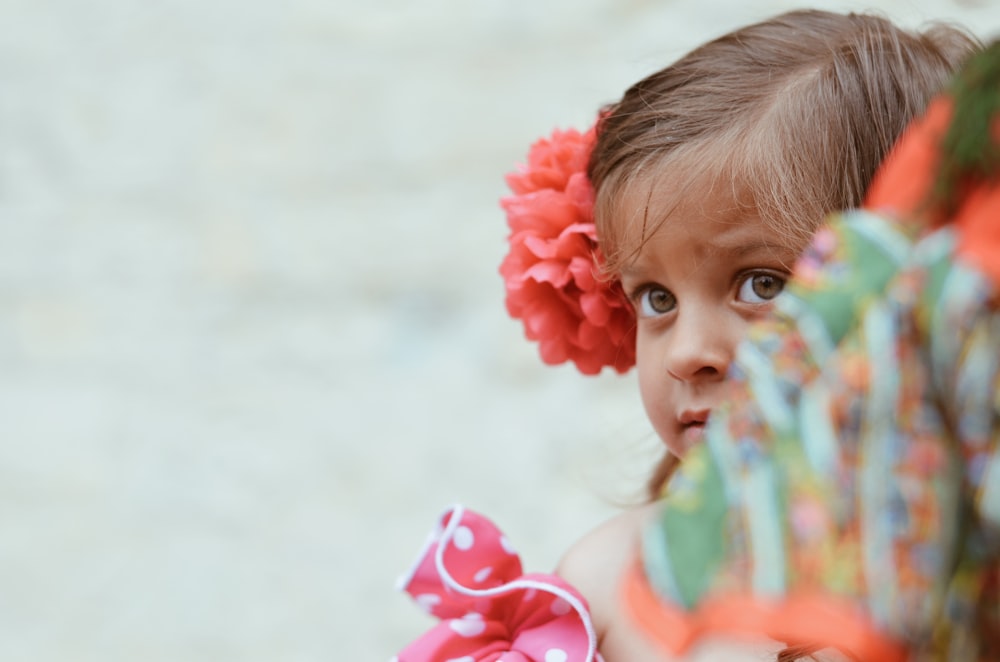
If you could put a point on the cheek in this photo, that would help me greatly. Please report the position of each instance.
(649, 382)
(656, 400)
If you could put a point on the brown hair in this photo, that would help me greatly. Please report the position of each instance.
(799, 110)
(794, 114)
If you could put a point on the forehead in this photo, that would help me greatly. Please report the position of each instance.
(706, 212)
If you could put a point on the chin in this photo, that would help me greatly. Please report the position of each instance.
(674, 445)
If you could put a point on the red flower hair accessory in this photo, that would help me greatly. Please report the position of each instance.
(551, 273)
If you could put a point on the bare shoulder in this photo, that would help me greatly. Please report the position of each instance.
(595, 566)
(595, 563)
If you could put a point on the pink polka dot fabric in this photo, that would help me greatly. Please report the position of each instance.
(470, 577)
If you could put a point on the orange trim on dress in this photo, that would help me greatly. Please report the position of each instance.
(805, 618)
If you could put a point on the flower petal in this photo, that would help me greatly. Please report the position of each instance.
(551, 269)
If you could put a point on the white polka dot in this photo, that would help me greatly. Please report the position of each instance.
(467, 658)
(560, 607)
(483, 574)
(463, 538)
(507, 547)
(556, 655)
(470, 625)
(428, 601)
(530, 594)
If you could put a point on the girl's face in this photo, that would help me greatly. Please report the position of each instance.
(707, 270)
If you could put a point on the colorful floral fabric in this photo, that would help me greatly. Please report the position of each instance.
(470, 577)
(903, 183)
(848, 493)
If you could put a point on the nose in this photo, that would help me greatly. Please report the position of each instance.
(701, 344)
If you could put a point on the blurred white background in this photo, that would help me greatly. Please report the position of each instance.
(252, 338)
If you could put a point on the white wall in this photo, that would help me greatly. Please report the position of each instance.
(251, 331)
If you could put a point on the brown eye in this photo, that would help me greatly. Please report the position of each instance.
(656, 301)
(761, 287)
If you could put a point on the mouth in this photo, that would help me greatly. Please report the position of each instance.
(692, 426)
(693, 417)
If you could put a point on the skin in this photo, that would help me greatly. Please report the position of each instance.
(710, 267)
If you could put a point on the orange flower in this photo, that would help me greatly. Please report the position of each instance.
(551, 272)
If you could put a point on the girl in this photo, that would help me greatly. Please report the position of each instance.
(710, 176)
(872, 522)
(695, 193)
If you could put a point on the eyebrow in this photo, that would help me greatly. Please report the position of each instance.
(732, 249)
(630, 271)
(742, 248)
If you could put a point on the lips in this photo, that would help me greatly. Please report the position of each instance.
(692, 425)
(690, 417)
